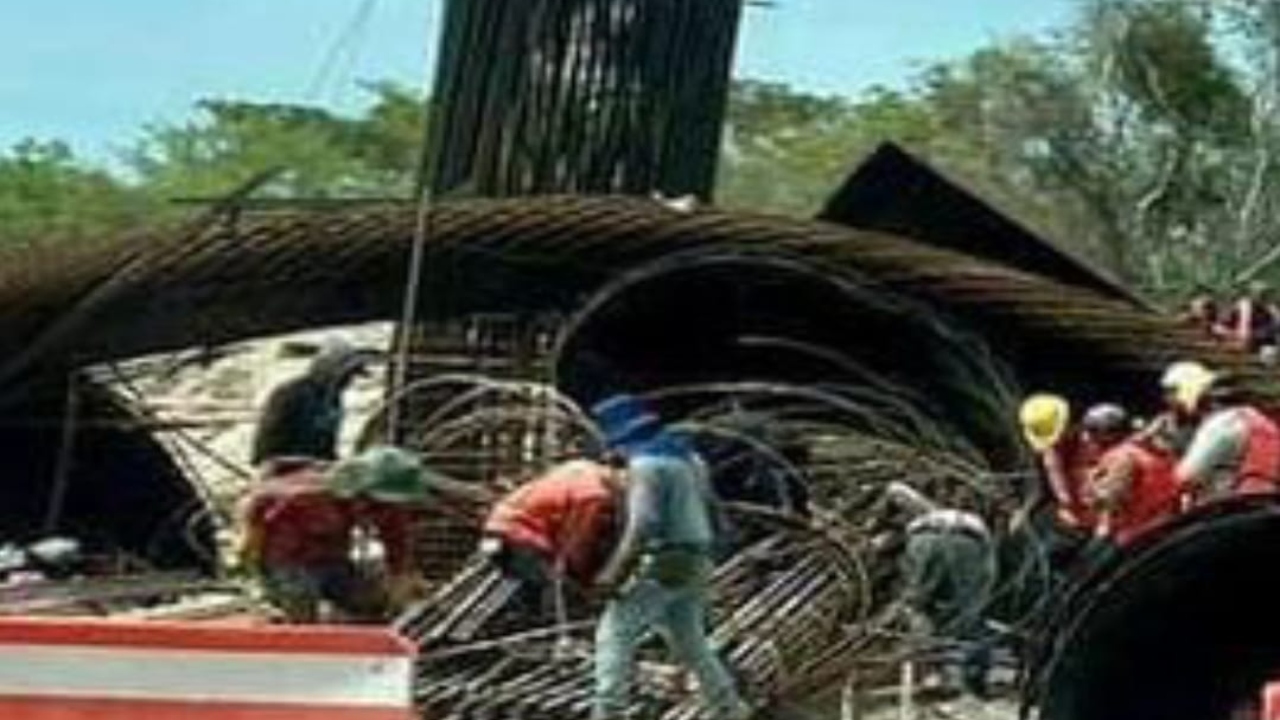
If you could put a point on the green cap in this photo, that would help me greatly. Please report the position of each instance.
(386, 474)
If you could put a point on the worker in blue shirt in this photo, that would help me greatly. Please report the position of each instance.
(661, 569)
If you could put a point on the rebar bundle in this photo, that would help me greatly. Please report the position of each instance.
(775, 603)
(591, 96)
(232, 281)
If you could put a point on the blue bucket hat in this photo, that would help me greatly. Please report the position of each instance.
(626, 422)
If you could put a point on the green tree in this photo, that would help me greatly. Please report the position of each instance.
(1141, 136)
(46, 192)
(318, 153)
(1145, 135)
(786, 151)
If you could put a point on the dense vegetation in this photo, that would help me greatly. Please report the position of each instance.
(1146, 135)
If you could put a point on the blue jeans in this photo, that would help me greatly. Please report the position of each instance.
(678, 614)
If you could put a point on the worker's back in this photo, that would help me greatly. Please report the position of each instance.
(1260, 465)
(1235, 450)
(1153, 495)
(301, 418)
(301, 521)
(673, 495)
(565, 513)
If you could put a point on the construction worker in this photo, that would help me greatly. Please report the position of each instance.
(948, 568)
(1173, 428)
(1066, 457)
(557, 526)
(302, 417)
(1133, 486)
(660, 571)
(1235, 448)
(1202, 315)
(1251, 323)
(300, 526)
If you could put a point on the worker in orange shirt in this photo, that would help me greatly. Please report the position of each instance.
(557, 526)
(300, 526)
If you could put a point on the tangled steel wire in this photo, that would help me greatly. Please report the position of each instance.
(798, 600)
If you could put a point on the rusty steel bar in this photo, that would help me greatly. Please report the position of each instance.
(765, 632)
(204, 288)
(541, 96)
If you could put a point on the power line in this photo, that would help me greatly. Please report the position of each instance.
(346, 46)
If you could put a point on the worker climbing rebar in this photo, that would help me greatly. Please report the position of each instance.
(1067, 454)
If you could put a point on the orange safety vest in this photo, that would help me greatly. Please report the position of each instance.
(1153, 493)
(1260, 465)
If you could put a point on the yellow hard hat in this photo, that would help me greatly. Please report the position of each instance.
(1187, 382)
(1044, 419)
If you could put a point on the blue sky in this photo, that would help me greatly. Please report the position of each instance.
(92, 72)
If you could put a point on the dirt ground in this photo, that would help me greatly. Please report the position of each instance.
(958, 709)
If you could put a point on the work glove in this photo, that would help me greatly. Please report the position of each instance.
(1068, 519)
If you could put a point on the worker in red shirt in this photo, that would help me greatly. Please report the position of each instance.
(1202, 315)
(1236, 447)
(1133, 487)
(1067, 456)
(557, 526)
(299, 530)
(1251, 323)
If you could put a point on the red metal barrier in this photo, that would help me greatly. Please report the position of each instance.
(106, 670)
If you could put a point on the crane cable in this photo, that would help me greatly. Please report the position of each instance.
(417, 258)
(350, 41)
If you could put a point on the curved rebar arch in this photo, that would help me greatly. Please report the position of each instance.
(976, 378)
(519, 391)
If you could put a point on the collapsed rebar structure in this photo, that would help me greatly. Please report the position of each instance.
(890, 358)
(776, 601)
(811, 361)
(799, 597)
(157, 291)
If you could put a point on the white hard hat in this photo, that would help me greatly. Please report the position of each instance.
(1187, 382)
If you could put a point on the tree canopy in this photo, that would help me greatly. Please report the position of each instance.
(1143, 135)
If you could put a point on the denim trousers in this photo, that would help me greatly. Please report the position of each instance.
(677, 614)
